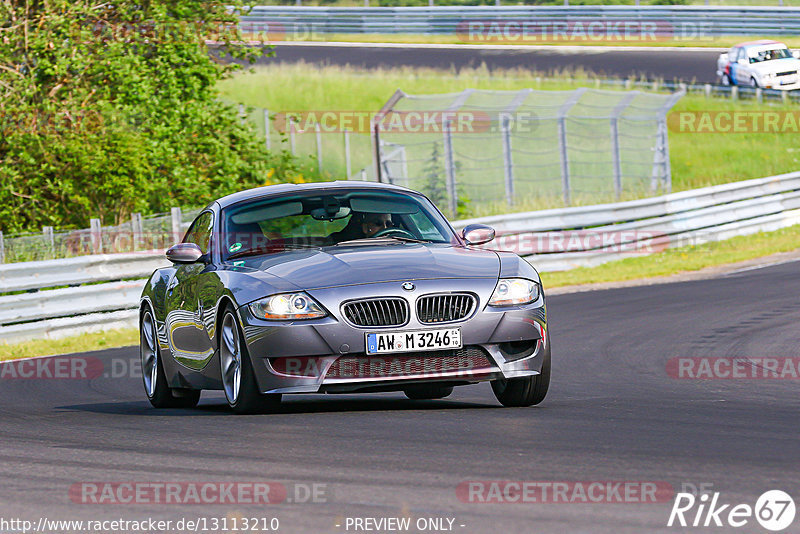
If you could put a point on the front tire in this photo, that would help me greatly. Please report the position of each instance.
(753, 83)
(428, 392)
(526, 391)
(158, 391)
(236, 369)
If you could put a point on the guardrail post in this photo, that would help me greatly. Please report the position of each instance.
(759, 95)
(734, 92)
(2, 248)
(266, 130)
(784, 96)
(508, 160)
(96, 231)
(137, 229)
(707, 90)
(347, 161)
(177, 219)
(49, 240)
(449, 169)
(318, 132)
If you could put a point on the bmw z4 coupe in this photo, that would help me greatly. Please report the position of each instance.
(339, 287)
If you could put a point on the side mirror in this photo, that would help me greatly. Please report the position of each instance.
(477, 234)
(184, 253)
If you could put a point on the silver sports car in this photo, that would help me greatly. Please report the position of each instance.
(338, 288)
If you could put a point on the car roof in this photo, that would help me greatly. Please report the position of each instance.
(761, 42)
(280, 189)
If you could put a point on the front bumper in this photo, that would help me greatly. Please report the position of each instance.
(329, 354)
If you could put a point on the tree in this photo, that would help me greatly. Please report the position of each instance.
(111, 108)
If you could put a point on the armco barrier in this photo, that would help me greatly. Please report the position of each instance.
(679, 22)
(105, 288)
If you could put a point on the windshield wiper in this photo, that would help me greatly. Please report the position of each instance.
(257, 251)
(367, 240)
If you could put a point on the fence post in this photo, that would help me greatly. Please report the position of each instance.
(291, 135)
(508, 160)
(266, 129)
(562, 142)
(364, 175)
(137, 229)
(615, 151)
(96, 231)
(449, 169)
(177, 219)
(318, 132)
(2, 248)
(347, 161)
(49, 240)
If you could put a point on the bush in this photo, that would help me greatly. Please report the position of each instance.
(111, 108)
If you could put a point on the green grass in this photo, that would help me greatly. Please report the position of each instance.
(680, 260)
(69, 345)
(697, 160)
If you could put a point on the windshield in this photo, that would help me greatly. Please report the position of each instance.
(320, 219)
(769, 54)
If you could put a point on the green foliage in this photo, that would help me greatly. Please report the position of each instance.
(111, 108)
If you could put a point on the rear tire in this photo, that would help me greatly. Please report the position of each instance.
(428, 392)
(156, 388)
(725, 80)
(236, 369)
(526, 391)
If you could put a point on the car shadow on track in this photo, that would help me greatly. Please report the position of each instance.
(305, 406)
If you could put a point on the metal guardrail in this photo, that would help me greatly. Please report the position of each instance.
(105, 288)
(563, 239)
(677, 22)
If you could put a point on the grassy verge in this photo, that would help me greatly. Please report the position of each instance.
(68, 345)
(697, 159)
(680, 260)
(709, 42)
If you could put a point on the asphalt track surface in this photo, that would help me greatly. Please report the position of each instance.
(692, 65)
(613, 413)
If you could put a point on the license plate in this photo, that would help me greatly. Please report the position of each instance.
(413, 341)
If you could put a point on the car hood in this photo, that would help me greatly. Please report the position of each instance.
(364, 264)
(776, 65)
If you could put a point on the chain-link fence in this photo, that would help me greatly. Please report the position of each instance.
(517, 147)
(154, 232)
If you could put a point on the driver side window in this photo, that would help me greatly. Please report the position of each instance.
(200, 232)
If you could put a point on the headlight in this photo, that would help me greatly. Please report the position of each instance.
(511, 291)
(287, 306)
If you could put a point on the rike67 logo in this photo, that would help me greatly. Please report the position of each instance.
(774, 510)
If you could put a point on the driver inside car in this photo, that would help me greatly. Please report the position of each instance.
(362, 225)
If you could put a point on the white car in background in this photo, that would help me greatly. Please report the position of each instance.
(766, 64)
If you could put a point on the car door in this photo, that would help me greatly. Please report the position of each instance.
(743, 70)
(188, 306)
